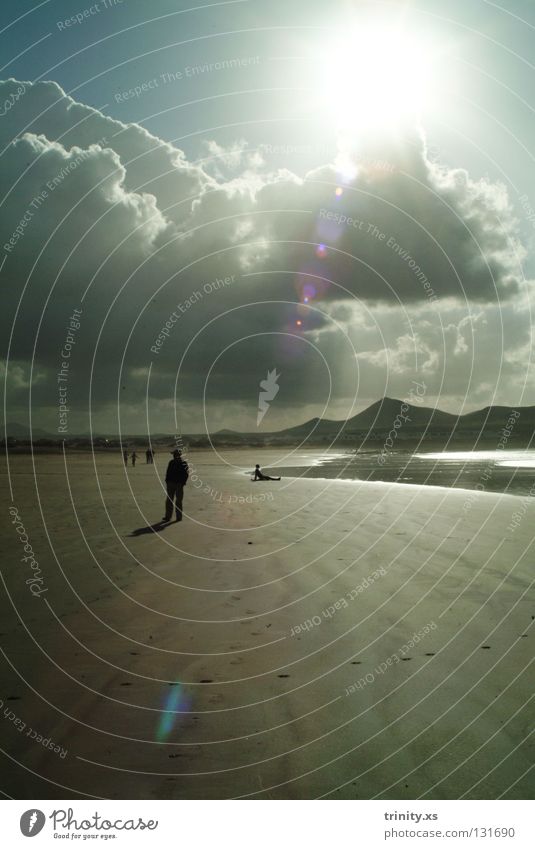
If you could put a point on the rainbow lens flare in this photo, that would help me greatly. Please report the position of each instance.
(177, 702)
(309, 293)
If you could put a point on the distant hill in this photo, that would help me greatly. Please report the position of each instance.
(497, 416)
(370, 425)
(20, 431)
(378, 419)
(379, 416)
(382, 414)
(317, 427)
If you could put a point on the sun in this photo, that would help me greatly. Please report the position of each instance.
(376, 78)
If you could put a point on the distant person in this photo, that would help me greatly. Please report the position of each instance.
(258, 476)
(152, 455)
(125, 457)
(134, 458)
(147, 455)
(175, 480)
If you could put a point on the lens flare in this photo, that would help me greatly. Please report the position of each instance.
(309, 293)
(309, 283)
(176, 702)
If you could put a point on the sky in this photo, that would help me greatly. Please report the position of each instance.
(337, 201)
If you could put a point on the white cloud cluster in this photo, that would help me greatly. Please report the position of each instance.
(331, 276)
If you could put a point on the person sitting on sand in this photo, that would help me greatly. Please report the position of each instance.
(175, 480)
(259, 476)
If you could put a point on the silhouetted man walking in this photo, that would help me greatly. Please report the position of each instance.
(175, 481)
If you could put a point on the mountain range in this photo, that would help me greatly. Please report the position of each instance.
(374, 422)
(380, 418)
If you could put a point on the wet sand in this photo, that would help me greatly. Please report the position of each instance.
(280, 619)
(509, 471)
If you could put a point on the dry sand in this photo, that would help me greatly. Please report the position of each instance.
(213, 602)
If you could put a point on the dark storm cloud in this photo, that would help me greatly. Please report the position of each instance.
(89, 203)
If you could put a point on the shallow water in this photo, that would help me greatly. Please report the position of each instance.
(489, 471)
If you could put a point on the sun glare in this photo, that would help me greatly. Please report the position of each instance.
(375, 78)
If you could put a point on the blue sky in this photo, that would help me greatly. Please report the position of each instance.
(129, 43)
(133, 42)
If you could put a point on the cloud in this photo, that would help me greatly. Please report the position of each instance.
(103, 216)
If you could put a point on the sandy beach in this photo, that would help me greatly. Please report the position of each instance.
(289, 640)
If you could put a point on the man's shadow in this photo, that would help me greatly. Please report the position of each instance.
(150, 529)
